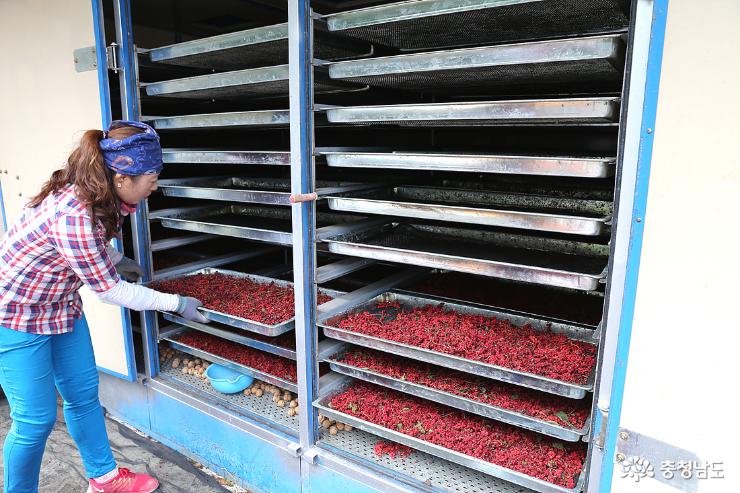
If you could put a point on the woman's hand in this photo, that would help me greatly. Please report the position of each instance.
(129, 269)
(188, 308)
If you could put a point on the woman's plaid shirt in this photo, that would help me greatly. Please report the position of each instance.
(47, 255)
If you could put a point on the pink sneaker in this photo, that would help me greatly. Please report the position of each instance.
(125, 482)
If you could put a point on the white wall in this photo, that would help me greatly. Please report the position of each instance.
(682, 378)
(45, 106)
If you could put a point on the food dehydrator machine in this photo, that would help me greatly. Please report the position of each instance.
(443, 189)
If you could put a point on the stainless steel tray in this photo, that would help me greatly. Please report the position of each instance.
(425, 24)
(456, 401)
(252, 82)
(244, 323)
(242, 339)
(322, 403)
(253, 222)
(266, 45)
(272, 191)
(476, 163)
(592, 63)
(215, 156)
(530, 380)
(233, 119)
(412, 244)
(471, 207)
(506, 112)
(198, 353)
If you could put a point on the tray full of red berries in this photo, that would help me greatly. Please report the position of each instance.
(520, 456)
(551, 357)
(559, 417)
(246, 301)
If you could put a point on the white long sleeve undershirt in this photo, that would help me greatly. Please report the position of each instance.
(137, 297)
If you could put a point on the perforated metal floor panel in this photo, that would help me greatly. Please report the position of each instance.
(261, 408)
(422, 468)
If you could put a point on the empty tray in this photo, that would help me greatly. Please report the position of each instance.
(272, 191)
(426, 24)
(253, 222)
(475, 163)
(473, 207)
(455, 249)
(215, 156)
(592, 64)
(266, 45)
(237, 84)
(234, 119)
(506, 112)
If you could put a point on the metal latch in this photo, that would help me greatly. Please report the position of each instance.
(86, 59)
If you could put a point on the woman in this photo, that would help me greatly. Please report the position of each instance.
(60, 243)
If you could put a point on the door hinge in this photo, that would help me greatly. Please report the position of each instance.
(601, 418)
(111, 54)
(86, 59)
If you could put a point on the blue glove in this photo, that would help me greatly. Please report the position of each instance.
(188, 309)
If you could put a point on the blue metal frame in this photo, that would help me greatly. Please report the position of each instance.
(2, 209)
(303, 182)
(647, 128)
(128, 75)
(105, 110)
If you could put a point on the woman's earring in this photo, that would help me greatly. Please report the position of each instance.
(119, 185)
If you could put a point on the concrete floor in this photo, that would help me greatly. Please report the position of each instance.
(62, 469)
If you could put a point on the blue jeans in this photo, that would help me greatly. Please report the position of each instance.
(31, 366)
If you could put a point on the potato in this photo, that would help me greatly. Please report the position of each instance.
(258, 392)
(291, 412)
(347, 427)
(184, 369)
(287, 397)
(333, 430)
(281, 403)
(198, 361)
(294, 403)
(191, 364)
(275, 398)
(175, 362)
(326, 424)
(340, 426)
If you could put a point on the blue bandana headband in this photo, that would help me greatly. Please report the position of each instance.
(139, 154)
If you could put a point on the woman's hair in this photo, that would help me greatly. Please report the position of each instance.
(93, 181)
